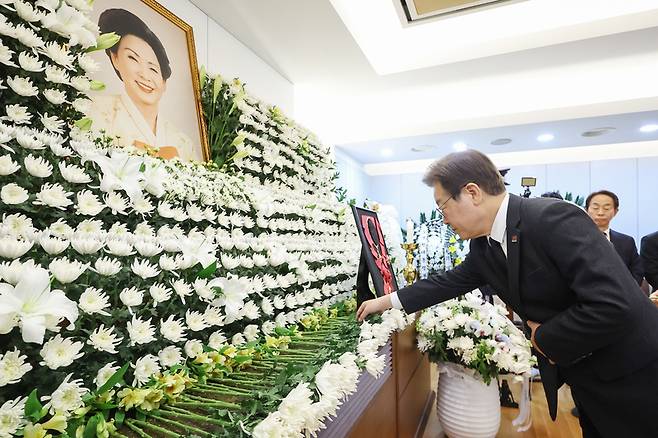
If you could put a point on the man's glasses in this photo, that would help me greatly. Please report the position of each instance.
(440, 208)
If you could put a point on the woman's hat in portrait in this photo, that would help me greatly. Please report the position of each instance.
(123, 22)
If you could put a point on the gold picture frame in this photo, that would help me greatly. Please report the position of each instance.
(179, 96)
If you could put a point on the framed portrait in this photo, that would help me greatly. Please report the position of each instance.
(152, 98)
(375, 259)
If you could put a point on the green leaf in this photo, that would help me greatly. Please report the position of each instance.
(97, 86)
(208, 271)
(90, 428)
(33, 407)
(84, 124)
(142, 168)
(116, 377)
(119, 417)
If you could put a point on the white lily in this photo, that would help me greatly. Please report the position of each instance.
(121, 172)
(33, 306)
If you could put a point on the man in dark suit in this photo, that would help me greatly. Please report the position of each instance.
(602, 206)
(649, 257)
(588, 321)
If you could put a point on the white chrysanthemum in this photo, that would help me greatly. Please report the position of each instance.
(86, 244)
(38, 167)
(14, 247)
(143, 205)
(22, 86)
(88, 204)
(250, 310)
(11, 416)
(56, 75)
(12, 272)
(273, 426)
(30, 62)
(116, 202)
(53, 195)
(25, 138)
(51, 244)
(7, 165)
(60, 352)
(104, 374)
(202, 289)
(140, 331)
(104, 339)
(88, 63)
(12, 367)
(82, 105)
(90, 227)
(65, 270)
(294, 406)
(375, 365)
(160, 293)
(217, 340)
(182, 289)
(26, 11)
(53, 123)
(145, 368)
(213, 316)
(193, 348)
(5, 55)
(251, 332)
(173, 329)
(18, 114)
(61, 150)
(81, 83)
(238, 339)
(13, 194)
(119, 247)
(268, 327)
(74, 174)
(131, 297)
(170, 356)
(107, 266)
(56, 97)
(94, 300)
(67, 397)
(195, 321)
(59, 54)
(144, 269)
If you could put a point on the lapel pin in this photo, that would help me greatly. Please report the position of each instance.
(515, 238)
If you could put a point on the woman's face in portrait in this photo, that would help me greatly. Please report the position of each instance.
(140, 72)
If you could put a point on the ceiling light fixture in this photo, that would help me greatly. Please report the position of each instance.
(501, 141)
(652, 127)
(545, 137)
(596, 132)
(387, 152)
(422, 148)
(460, 146)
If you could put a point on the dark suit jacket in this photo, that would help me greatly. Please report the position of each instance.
(563, 273)
(625, 246)
(649, 256)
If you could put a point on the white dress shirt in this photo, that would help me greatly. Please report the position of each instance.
(497, 233)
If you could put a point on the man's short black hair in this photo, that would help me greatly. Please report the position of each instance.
(123, 23)
(608, 193)
(555, 195)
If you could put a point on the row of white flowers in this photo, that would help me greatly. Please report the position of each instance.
(298, 415)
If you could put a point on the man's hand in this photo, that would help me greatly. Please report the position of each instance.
(533, 327)
(378, 305)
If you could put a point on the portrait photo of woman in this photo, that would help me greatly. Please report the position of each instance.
(137, 107)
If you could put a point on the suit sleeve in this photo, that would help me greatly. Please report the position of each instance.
(606, 294)
(441, 287)
(636, 263)
(649, 256)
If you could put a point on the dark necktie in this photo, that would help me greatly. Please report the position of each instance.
(498, 256)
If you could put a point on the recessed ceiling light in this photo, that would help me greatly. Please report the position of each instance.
(460, 146)
(545, 137)
(652, 127)
(422, 148)
(598, 131)
(501, 141)
(387, 152)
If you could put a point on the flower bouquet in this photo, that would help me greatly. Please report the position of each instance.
(476, 334)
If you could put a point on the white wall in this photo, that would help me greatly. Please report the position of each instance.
(634, 180)
(221, 53)
(351, 177)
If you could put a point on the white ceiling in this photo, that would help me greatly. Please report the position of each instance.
(609, 70)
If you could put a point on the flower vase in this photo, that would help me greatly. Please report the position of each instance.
(466, 406)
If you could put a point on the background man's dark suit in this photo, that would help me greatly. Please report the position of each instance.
(649, 256)
(625, 246)
(597, 325)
